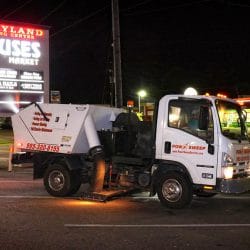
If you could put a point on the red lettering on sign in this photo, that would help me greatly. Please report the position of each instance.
(40, 123)
(21, 31)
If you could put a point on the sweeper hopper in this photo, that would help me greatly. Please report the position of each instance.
(61, 128)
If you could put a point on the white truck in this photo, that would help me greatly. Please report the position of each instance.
(195, 145)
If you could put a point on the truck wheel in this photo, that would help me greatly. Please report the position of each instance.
(57, 180)
(174, 190)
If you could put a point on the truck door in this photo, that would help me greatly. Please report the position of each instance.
(185, 142)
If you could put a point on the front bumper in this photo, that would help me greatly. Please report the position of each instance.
(234, 186)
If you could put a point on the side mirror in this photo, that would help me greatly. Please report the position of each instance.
(204, 118)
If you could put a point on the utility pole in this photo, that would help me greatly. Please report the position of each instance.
(117, 54)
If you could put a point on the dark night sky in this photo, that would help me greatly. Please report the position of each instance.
(166, 45)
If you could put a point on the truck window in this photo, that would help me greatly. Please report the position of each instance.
(231, 120)
(184, 115)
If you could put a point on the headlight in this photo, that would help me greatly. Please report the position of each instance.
(226, 159)
(226, 164)
(228, 172)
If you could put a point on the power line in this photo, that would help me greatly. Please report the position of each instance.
(170, 7)
(77, 40)
(52, 11)
(239, 5)
(78, 21)
(136, 5)
(18, 8)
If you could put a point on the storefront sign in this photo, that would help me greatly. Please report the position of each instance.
(24, 65)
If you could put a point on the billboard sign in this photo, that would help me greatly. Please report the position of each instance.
(24, 66)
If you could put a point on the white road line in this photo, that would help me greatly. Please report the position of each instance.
(18, 181)
(156, 225)
(142, 198)
(240, 197)
(26, 197)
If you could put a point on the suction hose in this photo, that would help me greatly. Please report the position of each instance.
(96, 151)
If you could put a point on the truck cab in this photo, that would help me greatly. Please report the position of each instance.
(203, 143)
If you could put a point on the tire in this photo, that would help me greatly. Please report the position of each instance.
(57, 180)
(75, 180)
(174, 190)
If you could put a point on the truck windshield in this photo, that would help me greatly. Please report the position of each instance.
(232, 120)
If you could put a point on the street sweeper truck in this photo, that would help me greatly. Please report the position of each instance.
(195, 145)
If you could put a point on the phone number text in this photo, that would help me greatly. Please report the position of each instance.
(42, 147)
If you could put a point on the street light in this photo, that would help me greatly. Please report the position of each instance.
(141, 94)
(190, 91)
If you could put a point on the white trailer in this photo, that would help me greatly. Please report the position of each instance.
(196, 145)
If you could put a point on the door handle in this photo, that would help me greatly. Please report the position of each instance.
(167, 148)
(210, 149)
